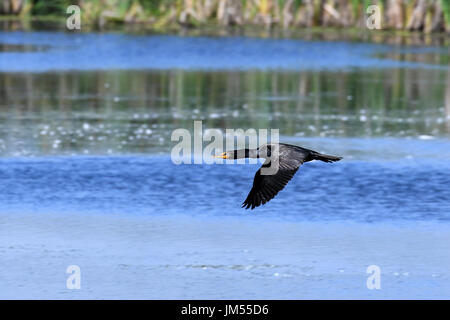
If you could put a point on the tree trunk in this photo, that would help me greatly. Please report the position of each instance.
(438, 22)
(230, 12)
(417, 21)
(305, 16)
(330, 15)
(189, 14)
(395, 14)
(208, 8)
(16, 6)
(288, 13)
(320, 12)
(345, 10)
(264, 16)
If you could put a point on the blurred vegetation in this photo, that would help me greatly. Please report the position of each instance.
(55, 7)
(412, 15)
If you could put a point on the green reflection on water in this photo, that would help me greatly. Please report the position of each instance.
(136, 111)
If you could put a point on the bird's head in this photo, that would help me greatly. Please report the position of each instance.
(227, 155)
(237, 154)
(240, 154)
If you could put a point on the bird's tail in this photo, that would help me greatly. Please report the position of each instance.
(324, 157)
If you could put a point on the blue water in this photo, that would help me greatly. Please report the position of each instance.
(86, 176)
(65, 51)
(140, 227)
(363, 191)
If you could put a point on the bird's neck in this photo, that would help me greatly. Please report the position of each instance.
(245, 153)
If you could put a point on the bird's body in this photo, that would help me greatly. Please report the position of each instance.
(282, 162)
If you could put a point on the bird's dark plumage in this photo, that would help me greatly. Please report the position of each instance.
(290, 158)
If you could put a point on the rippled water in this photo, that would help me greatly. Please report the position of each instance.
(85, 127)
(364, 191)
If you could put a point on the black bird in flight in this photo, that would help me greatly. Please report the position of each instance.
(282, 162)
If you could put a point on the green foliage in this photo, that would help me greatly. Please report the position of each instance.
(154, 6)
(123, 6)
(446, 8)
(151, 5)
(50, 7)
(297, 4)
(355, 7)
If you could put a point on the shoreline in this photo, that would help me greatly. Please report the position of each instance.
(401, 15)
(382, 36)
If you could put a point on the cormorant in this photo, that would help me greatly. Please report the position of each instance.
(266, 185)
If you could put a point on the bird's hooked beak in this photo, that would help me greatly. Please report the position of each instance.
(223, 155)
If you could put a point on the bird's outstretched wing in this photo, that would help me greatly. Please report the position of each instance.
(266, 187)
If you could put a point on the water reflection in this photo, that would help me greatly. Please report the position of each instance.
(109, 112)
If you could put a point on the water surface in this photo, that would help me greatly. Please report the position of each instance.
(87, 179)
